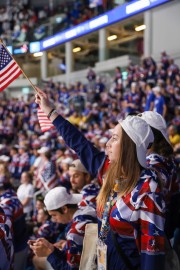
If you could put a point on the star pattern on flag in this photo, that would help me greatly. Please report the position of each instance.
(4, 57)
(9, 69)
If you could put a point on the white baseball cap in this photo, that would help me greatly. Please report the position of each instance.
(156, 121)
(76, 165)
(43, 149)
(4, 158)
(67, 160)
(2, 146)
(141, 134)
(58, 197)
(156, 89)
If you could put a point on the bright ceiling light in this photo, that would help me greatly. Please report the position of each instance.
(140, 27)
(113, 37)
(37, 54)
(77, 49)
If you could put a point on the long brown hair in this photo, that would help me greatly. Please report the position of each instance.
(127, 165)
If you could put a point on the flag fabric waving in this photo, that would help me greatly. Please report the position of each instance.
(9, 69)
(44, 122)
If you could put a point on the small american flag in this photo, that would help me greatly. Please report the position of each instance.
(9, 69)
(44, 122)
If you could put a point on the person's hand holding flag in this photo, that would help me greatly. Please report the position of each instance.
(46, 111)
(9, 71)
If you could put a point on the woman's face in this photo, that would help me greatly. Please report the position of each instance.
(24, 178)
(113, 145)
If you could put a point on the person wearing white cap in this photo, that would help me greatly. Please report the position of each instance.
(81, 182)
(160, 157)
(63, 207)
(136, 213)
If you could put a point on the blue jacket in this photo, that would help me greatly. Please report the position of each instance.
(89, 155)
(93, 160)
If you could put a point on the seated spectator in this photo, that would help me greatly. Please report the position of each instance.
(6, 242)
(46, 229)
(25, 194)
(14, 210)
(132, 100)
(81, 182)
(174, 137)
(91, 75)
(63, 207)
(45, 174)
(24, 164)
(14, 164)
(76, 118)
(38, 205)
(117, 75)
(159, 102)
(150, 96)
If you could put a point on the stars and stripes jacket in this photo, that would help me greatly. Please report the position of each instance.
(137, 218)
(69, 257)
(14, 210)
(6, 242)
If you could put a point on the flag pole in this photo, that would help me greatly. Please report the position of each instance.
(33, 86)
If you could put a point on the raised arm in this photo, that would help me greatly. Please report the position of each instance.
(90, 156)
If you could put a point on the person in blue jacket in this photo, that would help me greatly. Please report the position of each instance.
(133, 216)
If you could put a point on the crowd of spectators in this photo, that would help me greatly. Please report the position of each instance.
(21, 22)
(33, 162)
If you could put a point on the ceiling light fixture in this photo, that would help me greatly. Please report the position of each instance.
(37, 54)
(77, 49)
(140, 27)
(113, 37)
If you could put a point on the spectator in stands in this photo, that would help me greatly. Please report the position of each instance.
(14, 210)
(14, 164)
(24, 164)
(63, 207)
(91, 75)
(76, 118)
(6, 242)
(174, 136)
(39, 204)
(45, 174)
(63, 172)
(99, 89)
(159, 102)
(46, 229)
(132, 100)
(81, 182)
(150, 96)
(160, 156)
(118, 75)
(137, 130)
(25, 194)
(176, 119)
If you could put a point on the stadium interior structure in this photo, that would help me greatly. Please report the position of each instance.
(114, 45)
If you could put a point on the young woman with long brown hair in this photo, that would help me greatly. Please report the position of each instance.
(130, 206)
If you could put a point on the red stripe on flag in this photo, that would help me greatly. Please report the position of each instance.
(44, 122)
(5, 71)
(10, 81)
(9, 69)
(10, 74)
